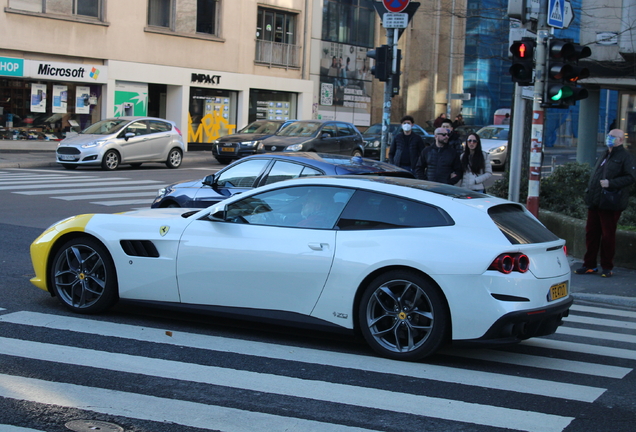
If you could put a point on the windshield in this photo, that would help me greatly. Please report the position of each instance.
(300, 129)
(376, 129)
(496, 133)
(260, 127)
(105, 127)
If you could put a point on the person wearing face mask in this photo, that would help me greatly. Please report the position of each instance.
(606, 197)
(406, 146)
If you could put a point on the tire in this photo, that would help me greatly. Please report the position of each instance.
(135, 165)
(222, 160)
(175, 157)
(111, 160)
(83, 276)
(69, 166)
(403, 316)
(357, 153)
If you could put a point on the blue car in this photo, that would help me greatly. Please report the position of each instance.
(259, 170)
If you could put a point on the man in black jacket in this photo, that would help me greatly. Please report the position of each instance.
(440, 162)
(406, 146)
(613, 174)
(454, 139)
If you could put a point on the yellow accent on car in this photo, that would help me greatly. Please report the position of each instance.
(41, 246)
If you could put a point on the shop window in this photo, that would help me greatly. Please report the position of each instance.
(276, 38)
(272, 105)
(86, 8)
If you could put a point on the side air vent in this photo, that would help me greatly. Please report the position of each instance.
(141, 248)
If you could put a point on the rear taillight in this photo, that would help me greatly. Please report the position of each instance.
(509, 262)
(565, 250)
(178, 131)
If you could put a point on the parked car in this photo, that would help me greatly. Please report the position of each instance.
(254, 171)
(324, 136)
(373, 137)
(371, 255)
(494, 141)
(245, 142)
(123, 140)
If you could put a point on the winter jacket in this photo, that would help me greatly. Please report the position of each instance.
(437, 163)
(616, 166)
(474, 181)
(397, 150)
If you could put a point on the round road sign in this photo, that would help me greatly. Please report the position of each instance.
(395, 6)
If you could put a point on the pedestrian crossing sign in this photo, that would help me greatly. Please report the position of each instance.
(556, 13)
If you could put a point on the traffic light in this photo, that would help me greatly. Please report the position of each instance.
(395, 78)
(382, 67)
(563, 72)
(522, 69)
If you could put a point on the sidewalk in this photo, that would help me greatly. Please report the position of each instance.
(619, 290)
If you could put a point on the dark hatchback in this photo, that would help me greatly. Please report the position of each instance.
(244, 142)
(259, 170)
(323, 136)
(372, 137)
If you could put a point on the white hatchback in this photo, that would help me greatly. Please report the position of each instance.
(123, 140)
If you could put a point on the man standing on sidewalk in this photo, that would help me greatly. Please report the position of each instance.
(406, 146)
(606, 197)
(440, 162)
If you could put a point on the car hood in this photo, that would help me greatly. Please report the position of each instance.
(242, 137)
(371, 137)
(489, 144)
(162, 213)
(187, 184)
(285, 141)
(81, 139)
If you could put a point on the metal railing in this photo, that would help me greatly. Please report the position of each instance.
(277, 54)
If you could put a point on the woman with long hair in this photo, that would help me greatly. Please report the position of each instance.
(476, 164)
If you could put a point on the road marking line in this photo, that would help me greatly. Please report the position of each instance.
(601, 322)
(85, 184)
(596, 334)
(92, 190)
(604, 311)
(104, 196)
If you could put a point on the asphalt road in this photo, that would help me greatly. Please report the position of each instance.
(149, 370)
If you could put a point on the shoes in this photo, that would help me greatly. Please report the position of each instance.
(607, 273)
(586, 270)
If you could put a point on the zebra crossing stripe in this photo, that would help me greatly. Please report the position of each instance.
(582, 348)
(433, 407)
(84, 184)
(133, 405)
(603, 322)
(91, 190)
(617, 337)
(311, 356)
(9, 428)
(107, 195)
(603, 311)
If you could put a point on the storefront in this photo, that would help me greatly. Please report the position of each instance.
(45, 100)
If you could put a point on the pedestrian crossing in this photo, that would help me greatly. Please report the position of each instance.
(210, 382)
(110, 191)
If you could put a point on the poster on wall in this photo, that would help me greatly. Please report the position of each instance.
(38, 98)
(60, 99)
(82, 100)
(131, 99)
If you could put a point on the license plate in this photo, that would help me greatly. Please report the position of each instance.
(67, 157)
(558, 291)
(227, 149)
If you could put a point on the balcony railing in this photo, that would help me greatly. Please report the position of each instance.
(277, 54)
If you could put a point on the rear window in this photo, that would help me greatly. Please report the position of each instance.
(519, 227)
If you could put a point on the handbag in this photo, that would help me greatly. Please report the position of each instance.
(610, 200)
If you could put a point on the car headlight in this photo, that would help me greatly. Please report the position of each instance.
(294, 147)
(93, 144)
(375, 144)
(260, 147)
(249, 143)
(499, 149)
(163, 192)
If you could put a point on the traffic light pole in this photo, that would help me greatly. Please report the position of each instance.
(388, 88)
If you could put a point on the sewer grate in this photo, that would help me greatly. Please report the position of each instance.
(92, 426)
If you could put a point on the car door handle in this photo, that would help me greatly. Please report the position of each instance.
(318, 246)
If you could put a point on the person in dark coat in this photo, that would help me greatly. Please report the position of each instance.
(613, 174)
(406, 147)
(438, 121)
(440, 162)
(454, 139)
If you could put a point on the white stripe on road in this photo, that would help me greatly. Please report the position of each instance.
(9, 428)
(48, 179)
(137, 406)
(92, 190)
(86, 184)
(595, 334)
(603, 311)
(104, 196)
(125, 202)
(311, 356)
(447, 409)
(581, 348)
(601, 322)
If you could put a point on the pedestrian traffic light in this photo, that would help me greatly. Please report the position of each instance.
(395, 77)
(382, 67)
(522, 69)
(563, 72)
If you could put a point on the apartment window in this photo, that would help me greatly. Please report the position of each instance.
(207, 12)
(348, 21)
(276, 26)
(160, 13)
(88, 8)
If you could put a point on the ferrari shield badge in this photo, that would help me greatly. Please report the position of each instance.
(164, 230)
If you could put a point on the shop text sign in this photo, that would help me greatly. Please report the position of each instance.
(205, 78)
(66, 71)
(11, 66)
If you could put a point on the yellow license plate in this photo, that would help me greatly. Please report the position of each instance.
(227, 149)
(558, 291)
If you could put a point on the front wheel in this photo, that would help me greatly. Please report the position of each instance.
(111, 160)
(83, 276)
(175, 157)
(403, 316)
(356, 153)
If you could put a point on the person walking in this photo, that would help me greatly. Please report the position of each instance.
(440, 162)
(406, 146)
(454, 139)
(606, 197)
(438, 121)
(475, 164)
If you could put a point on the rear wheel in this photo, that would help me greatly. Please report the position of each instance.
(403, 316)
(111, 160)
(175, 157)
(83, 276)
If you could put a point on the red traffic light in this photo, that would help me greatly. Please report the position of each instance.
(522, 50)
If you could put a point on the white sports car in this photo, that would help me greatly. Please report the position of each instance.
(410, 265)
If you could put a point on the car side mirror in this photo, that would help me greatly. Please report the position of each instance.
(219, 215)
(209, 180)
(325, 135)
(128, 135)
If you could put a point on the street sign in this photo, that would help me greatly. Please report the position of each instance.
(459, 96)
(568, 14)
(395, 6)
(395, 20)
(556, 13)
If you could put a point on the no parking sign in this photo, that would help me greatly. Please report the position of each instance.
(395, 6)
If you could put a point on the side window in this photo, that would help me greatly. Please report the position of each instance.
(138, 128)
(343, 130)
(243, 174)
(329, 129)
(159, 126)
(304, 207)
(283, 171)
(308, 172)
(370, 210)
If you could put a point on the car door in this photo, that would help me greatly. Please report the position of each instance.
(234, 179)
(261, 255)
(349, 139)
(159, 137)
(327, 140)
(136, 147)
